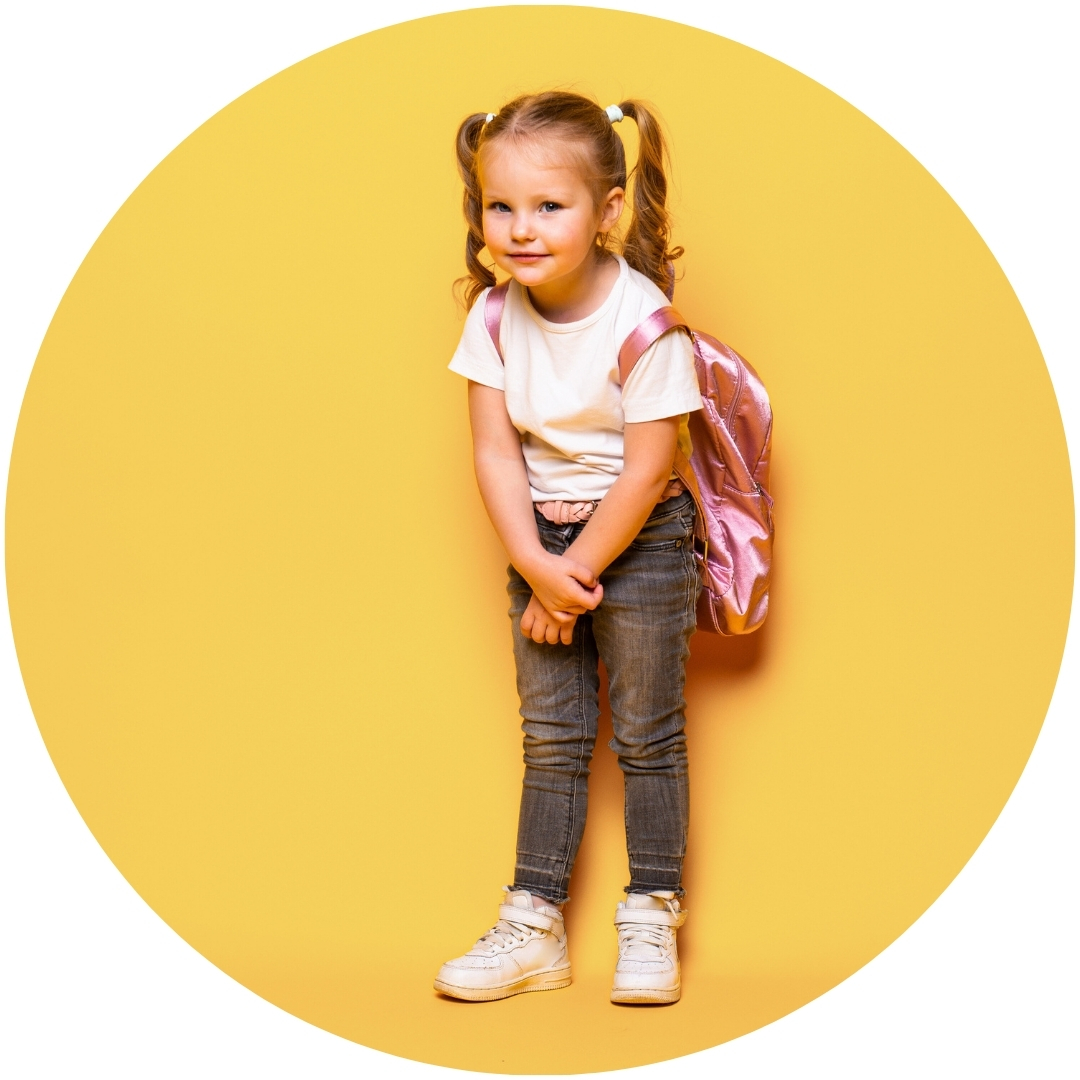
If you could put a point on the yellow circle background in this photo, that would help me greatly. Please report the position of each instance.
(260, 612)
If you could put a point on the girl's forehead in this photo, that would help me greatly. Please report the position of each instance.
(548, 156)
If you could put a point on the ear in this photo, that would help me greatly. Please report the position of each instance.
(611, 209)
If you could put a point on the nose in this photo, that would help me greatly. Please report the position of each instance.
(521, 227)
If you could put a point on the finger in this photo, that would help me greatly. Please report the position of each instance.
(573, 594)
(554, 632)
(587, 598)
(566, 633)
(580, 572)
(539, 629)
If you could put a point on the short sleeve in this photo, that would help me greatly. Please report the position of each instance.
(475, 357)
(663, 382)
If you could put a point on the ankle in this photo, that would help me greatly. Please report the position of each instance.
(539, 903)
(542, 904)
(657, 899)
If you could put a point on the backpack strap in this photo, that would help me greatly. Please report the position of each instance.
(493, 313)
(647, 333)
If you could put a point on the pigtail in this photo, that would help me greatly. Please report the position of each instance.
(479, 276)
(645, 247)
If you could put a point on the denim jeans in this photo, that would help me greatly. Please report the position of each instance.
(641, 630)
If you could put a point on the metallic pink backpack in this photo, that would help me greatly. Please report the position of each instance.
(727, 474)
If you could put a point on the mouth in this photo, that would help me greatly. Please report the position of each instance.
(528, 256)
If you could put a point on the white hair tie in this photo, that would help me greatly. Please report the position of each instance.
(490, 117)
(614, 113)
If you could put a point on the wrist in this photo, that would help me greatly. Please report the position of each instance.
(531, 561)
(580, 552)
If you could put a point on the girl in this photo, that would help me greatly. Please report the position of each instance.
(576, 474)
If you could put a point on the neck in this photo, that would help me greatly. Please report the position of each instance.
(578, 294)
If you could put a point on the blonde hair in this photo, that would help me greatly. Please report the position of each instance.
(583, 124)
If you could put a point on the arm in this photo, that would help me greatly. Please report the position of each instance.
(564, 588)
(648, 453)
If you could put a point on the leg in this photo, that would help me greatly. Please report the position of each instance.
(643, 628)
(559, 687)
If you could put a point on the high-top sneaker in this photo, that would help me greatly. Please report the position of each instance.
(525, 950)
(648, 967)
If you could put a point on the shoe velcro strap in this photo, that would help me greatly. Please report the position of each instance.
(527, 917)
(650, 916)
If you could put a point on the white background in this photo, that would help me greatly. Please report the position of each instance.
(93, 96)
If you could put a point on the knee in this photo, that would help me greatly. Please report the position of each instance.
(558, 755)
(650, 752)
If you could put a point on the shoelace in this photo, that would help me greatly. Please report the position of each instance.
(642, 941)
(505, 935)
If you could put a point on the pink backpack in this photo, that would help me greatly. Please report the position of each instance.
(727, 474)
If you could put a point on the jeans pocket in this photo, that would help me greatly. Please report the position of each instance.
(669, 533)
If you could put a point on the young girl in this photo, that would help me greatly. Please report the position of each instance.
(575, 471)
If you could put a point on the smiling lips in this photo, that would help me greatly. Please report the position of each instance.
(528, 256)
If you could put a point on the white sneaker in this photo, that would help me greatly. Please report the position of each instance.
(525, 950)
(648, 967)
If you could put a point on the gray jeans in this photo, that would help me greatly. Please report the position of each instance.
(641, 630)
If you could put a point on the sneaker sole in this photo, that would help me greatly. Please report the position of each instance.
(646, 997)
(546, 980)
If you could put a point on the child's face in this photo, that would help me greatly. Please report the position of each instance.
(540, 220)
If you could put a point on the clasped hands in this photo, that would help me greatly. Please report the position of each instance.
(562, 590)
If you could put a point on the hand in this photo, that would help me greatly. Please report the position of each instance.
(563, 585)
(542, 625)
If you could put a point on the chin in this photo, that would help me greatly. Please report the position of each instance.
(525, 275)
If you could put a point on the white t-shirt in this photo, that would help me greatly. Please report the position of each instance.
(561, 382)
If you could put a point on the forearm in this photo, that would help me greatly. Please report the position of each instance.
(618, 518)
(564, 588)
(648, 453)
(501, 477)
(504, 487)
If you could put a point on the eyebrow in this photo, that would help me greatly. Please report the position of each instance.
(549, 196)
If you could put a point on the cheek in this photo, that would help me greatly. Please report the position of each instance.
(576, 233)
(490, 226)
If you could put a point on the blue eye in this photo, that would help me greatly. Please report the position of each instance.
(500, 207)
(550, 207)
